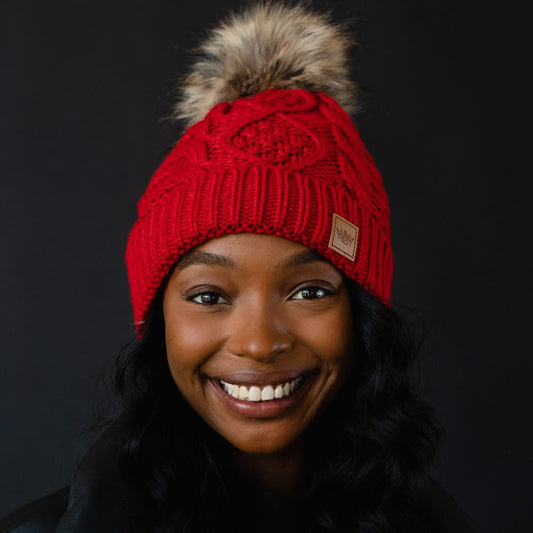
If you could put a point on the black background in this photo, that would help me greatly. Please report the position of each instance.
(83, 86)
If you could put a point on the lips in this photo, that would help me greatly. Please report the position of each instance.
(256, 393)
(261, 396)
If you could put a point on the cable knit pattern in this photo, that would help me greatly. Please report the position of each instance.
(280, 162)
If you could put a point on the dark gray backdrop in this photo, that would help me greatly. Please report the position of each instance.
(83, 84)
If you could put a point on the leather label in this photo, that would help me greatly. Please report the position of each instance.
(343, 238)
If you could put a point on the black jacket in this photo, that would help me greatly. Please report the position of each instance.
(100, 500)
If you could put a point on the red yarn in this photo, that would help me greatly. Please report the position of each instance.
(281, 162)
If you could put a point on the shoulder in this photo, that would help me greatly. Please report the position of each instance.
(40, 516)
(445, 513)
(103, 496)
(100, 498)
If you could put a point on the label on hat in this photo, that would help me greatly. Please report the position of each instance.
(343, 238)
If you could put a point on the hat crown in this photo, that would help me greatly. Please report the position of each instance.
(283, 162)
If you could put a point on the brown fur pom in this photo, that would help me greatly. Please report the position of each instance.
(268, 45)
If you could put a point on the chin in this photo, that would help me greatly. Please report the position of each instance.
(263, 448)
(266, 440)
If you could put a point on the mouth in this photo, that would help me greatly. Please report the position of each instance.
(256, 396)
(258, 393)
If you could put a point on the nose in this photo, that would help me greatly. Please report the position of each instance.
(259, 333)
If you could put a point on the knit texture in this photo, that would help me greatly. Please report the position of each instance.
(281, 162)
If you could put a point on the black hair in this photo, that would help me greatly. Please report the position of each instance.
(371, 449)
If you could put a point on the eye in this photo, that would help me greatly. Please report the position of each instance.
(310, 293)
(208, 298)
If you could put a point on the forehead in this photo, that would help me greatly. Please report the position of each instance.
(256, 251)
(241, 243)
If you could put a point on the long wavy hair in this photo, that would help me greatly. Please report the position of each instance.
(370, 450)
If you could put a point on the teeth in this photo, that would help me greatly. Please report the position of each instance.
(254, 395)
(267, 393)
(258, 394)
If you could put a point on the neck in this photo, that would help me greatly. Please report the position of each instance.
(282, 473)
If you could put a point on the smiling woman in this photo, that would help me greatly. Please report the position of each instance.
(250, 344)
(268, 387)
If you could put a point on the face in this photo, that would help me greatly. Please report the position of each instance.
(259, 338)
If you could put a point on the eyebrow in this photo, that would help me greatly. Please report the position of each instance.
(302, 258)
(197, 257)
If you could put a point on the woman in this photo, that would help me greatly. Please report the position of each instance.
(268, 386)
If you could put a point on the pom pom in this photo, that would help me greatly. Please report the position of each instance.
(268, 45)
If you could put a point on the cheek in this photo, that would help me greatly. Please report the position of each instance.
(189, 345)
(331, 338)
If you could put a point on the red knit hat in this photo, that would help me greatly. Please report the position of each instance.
(283, 162)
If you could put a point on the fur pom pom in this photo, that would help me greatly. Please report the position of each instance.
(268, 45)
